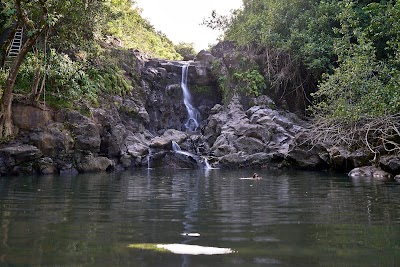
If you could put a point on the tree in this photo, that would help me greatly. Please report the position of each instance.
(35, 18)
(185, 49)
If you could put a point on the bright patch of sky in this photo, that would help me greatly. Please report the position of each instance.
(180, 19)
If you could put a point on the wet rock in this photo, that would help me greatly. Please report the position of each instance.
(165, 140)
(46, 166)
(23, 169)
(67, 169)
(15, 155)
(241, 160)
(175, 160)
(343, 160)
(126, 161)
(92, 163)
(370, 172)
(302, 155)
(390, 164)
(137, 144)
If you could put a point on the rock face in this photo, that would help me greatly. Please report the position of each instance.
(256, 137)
(164, 98)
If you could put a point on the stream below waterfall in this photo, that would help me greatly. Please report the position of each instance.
(286, 219)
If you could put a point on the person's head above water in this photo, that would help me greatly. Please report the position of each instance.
(255, 175)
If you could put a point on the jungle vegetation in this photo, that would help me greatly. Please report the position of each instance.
(72, 50)
(342, 57)
(350, 51)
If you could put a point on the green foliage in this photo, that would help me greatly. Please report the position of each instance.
(66, 80)
(303, 28)
(80, 65)
(69, 82)
(351, 48)
(110, 80)
(126, 23)
(251, 82)
(3, 78)
(223, 79)
(366, 82)
(185, 49)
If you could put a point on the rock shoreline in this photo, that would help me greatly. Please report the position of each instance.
(138, 130)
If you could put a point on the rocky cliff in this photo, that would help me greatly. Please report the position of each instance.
(146, 129)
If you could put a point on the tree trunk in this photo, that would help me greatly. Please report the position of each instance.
(6, 124)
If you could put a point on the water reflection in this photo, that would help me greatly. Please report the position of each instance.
(285, 219)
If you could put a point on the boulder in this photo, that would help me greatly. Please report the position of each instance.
(164, 141)
(175, 160)
(17, 154)
(87, 137)
(370, 172)
(343, 160)
(136, 110)
(234, 161)
(30, 117)
(204, 56)
(223, 150)
(126, 161)
(249, 145)
(106, 118)
(390, 164)
(46, 166)
(92, 163)
(257, 131)
(112, 141)
(241, 160)
(54, 141)
(303, 155)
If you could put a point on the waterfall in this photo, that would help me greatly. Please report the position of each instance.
(175, 146)
(201, 161)
(207, 165)
(148, 158)
(192, 123)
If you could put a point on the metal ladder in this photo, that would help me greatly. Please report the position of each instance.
(15, 46)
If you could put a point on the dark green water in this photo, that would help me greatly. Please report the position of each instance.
(286, 219)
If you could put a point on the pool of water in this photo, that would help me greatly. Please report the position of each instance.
(285, 219)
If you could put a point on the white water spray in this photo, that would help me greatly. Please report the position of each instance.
(175, 146)
(207, 165)
(148, 158)
(192, 123)
(201, 161)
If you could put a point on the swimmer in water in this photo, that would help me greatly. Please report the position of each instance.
(256, 177)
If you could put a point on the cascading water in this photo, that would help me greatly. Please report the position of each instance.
(201, 161)
(148, 158)
(175, 146)
(193, 121)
